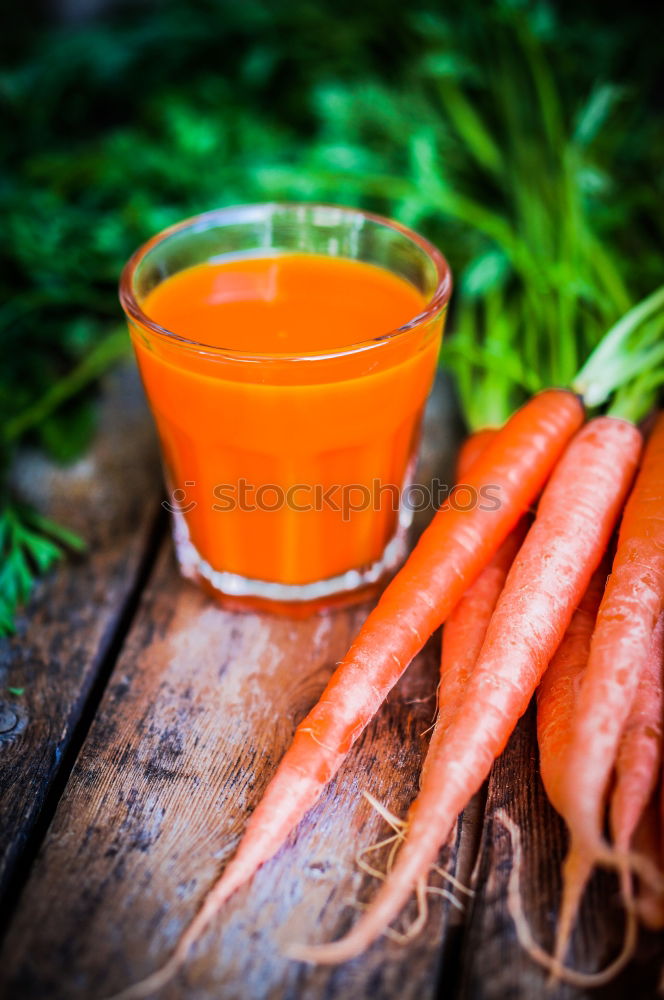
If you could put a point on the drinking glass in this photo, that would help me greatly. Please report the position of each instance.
(287, 473)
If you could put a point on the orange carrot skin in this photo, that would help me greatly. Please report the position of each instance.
(466, 626)
(471, 448)
(639, 755)
(632, 603)
(449, 556)
(464, 634)
(558, 689)
(576, 516)
(640, 750)
(556, 700)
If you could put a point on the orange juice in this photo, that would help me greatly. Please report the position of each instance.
(287, 396)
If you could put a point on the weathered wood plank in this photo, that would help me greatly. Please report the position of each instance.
(110, 498)
(200, 707)
(493, 965)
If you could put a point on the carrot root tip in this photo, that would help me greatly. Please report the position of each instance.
(558, 971)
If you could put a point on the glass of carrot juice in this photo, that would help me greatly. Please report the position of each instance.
(287, 351)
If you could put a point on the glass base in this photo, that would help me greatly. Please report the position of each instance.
(282, 596)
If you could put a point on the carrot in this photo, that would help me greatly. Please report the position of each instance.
(556, 700)
(449, 556)
(631, 605)
(557, 693)
(466, 626)
(582, 980)
(640, 750)
(472, 448)
(637, 770)
(456, 658)
(637, 764)
(576, 515)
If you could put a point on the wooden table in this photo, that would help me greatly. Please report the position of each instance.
(150, 722)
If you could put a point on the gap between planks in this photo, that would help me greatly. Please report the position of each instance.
(22, 867)
(161, 792)
(72, 628)
(382, 975)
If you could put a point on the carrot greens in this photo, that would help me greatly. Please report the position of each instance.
(30, 544)
(629, 361)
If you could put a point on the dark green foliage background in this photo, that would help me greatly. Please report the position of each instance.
(521, 137)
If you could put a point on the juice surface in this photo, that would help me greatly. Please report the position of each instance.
(284, 303)
(272, 455)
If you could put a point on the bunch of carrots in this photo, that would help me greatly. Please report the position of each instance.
(531, 601)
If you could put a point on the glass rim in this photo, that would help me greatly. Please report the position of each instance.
(236, 213)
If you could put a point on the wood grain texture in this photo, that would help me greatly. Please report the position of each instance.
(493, 964)
(199, 709)
(201, 706)
(110, 498)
